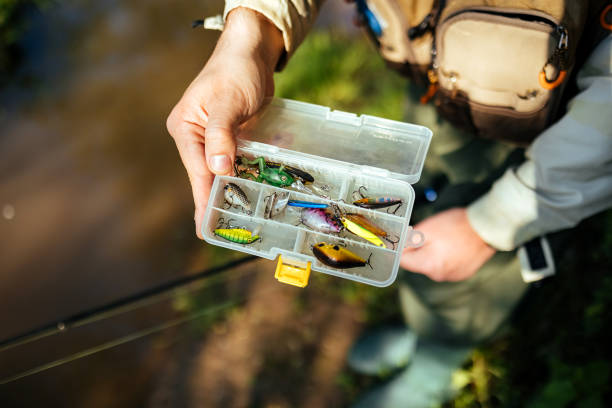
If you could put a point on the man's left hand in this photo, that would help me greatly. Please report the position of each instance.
(453, 251)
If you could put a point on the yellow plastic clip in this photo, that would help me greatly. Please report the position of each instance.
(292, 272)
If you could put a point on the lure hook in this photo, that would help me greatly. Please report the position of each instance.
(220, 222)
(236, 171)
(368, 261)
(229, 223)
(392, 242)
(396, 208)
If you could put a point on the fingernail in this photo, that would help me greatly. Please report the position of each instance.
(220, 163)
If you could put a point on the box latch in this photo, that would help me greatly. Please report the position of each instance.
(292, 272)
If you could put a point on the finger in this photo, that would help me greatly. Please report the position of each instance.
(192, 152)
(416, 259)
(220, 143)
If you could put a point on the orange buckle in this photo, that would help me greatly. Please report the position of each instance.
(546, 84)
(431, 91)
(602, 18)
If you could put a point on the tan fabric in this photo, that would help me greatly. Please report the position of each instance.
(495, 92)
(396, 17)
(570, 11)
(503, 60)
(292, 17)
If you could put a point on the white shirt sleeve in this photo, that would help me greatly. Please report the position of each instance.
(293, 18)
(568, 173)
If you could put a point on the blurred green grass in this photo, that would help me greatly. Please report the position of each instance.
(556, 351)
(342, 72)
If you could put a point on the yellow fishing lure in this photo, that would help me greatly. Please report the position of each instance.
(362, 232)
(237, 235)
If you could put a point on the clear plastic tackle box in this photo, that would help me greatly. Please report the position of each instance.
(343, 152)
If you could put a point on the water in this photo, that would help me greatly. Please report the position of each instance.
(95, 202)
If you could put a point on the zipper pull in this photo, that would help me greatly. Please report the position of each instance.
(558, 59)
(563, 38)
(433, 86)
(428, 23)
(422, 27)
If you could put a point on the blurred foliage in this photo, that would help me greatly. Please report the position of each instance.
(13, 22)
(556, 352)
(342, 72)
(377, 305)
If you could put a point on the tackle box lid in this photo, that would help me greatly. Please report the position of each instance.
(364, 144)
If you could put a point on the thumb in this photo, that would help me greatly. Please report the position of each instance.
(413, 259)
(219, 139)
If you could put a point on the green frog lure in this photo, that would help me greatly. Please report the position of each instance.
(276, 176)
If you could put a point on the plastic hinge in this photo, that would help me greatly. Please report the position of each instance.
(344, 117)
(374, 171)
(249, 144)
(292, 272)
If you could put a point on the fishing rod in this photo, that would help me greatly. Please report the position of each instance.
(122, 340)
(121, 306)
(116, 307)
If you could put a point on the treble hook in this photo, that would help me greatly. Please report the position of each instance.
(220, 222)
(396, 208)
(392, 242)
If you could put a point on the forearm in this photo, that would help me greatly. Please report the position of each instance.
(259, 38)
(293, 18)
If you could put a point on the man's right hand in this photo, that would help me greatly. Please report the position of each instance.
(230, 88)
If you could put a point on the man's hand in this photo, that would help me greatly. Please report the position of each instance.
(230, 89)
(453, 251)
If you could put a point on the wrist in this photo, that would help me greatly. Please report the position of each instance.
(250, 33)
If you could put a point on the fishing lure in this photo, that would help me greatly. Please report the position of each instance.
(237, 235)
(277, 177)
(362, 232)
(320, 220)
(338, 257)
(375, 202)
(313, 189)
(241, 166)
(364, 222)
(300, 174)
(275, 204)
(306, 204)
(234, 196)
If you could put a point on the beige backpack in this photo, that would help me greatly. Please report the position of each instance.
(498, 68)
